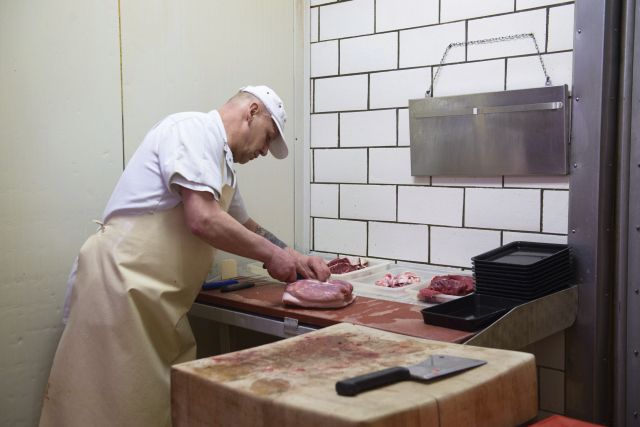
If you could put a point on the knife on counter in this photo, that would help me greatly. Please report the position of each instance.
(434, 366)
(228, 285)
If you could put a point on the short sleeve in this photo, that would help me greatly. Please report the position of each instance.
(190, 155)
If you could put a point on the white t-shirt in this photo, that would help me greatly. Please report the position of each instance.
(184, 149)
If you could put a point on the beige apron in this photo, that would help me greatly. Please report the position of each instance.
(137, 278)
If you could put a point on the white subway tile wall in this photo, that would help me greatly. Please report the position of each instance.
(431, 205)
(453, 10)
(426, 46)
(373, 202)
(324, 130)
(558, 65)
(466, 181)
(560, 34)
(343, 165)
(392, 166)
(529, 4)
(507, 209)
(324, 200)
(455, 246)
(394, 14)
(313, 27)
(534, 21)
(337, 235)
(369, 53)
(403, 126)
(471, 77)
(555, 211)
(346, 19)
(368, 58)
(324, 58)
(368, 128)
(341, 93)
(400, 241)
(396, 88)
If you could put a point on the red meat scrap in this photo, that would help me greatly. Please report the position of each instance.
(343, 265)
(450, 284)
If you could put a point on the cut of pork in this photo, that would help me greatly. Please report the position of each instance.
(310, 293)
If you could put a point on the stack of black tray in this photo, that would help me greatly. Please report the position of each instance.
(523, 270)
(505, 278)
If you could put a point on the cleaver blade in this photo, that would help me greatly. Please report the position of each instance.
(434, 366)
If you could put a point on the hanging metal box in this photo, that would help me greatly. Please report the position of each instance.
(515, 132)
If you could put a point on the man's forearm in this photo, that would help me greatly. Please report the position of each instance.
(270, 236)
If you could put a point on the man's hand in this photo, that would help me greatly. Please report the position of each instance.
(282, 266)
(310, 267)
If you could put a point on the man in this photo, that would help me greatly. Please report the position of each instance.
(138, 275)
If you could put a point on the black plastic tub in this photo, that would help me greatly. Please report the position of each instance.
(470, 313)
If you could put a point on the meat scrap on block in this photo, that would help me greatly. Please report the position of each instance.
(310, 293)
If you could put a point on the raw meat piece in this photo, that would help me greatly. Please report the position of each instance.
(451, 284)
(310, 293)
(402, 279)
(343, 265)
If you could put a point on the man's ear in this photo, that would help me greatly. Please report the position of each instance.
(253, 110)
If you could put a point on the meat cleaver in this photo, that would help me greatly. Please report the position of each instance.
(434, 366)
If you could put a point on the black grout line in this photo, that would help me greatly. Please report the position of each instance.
(451, 227)
(375, 14)
(339, 55)
(339, 195)
(541, 209)
(417, 67)
(505, 74)
(546, 38)
(464, 206)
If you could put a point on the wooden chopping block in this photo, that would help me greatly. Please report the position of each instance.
(292, 383)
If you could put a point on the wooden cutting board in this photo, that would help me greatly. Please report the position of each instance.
(292, 383)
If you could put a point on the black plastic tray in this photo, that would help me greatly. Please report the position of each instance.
(469, 313)
(522, 255)
(547, 265)
(525, 282)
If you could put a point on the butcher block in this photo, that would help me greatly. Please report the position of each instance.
(292, 383)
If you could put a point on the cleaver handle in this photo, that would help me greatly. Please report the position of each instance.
(355, 385)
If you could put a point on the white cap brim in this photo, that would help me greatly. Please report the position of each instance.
(278, 147)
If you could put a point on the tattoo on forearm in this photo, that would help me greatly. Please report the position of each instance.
(270, 237)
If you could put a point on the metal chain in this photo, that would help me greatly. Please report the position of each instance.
(488, 41)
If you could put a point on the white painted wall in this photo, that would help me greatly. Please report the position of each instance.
(65, 130)
(61, 154)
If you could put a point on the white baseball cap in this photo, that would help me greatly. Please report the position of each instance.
(272, 101)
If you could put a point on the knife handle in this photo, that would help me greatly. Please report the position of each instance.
(218, 284)
(355, 385)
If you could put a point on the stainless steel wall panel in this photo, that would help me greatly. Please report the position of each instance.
(591, 208)
(518, 132)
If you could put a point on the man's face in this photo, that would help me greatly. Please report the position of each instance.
(261, 131)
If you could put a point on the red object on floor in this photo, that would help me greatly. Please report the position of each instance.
(560, 421)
